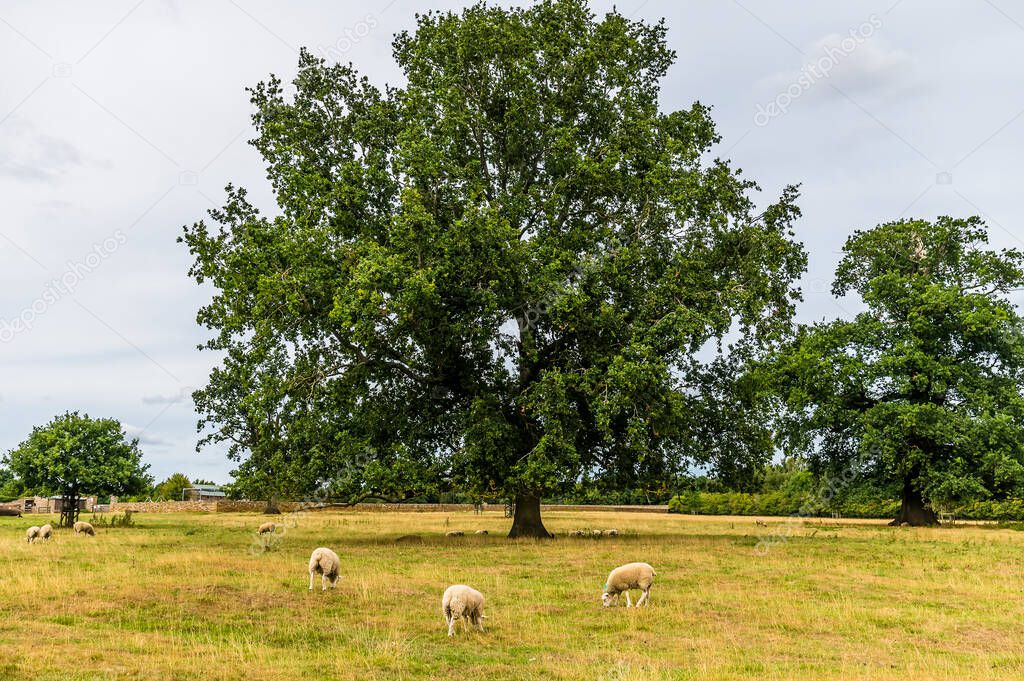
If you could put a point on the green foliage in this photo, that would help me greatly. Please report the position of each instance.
(923, 388)
(10, 487)
(780, 504)
(117, 520)
(1005, 510)
(497, 276)
(171, 489)
(75, 455)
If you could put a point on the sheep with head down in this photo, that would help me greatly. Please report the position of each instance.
(326, 563)
(626, 577)
(82, 527)
(267, 528)
(461, 602)
(45, 532)
(32, 533)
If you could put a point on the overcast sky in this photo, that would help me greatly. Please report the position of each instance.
(122, 121)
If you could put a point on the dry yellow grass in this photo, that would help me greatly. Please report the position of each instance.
(184, 597)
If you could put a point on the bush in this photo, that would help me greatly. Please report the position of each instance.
(116, 520)
(780, 503)
(1006, 510)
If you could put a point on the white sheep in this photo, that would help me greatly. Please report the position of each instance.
(626, 577)
(465, 603)
(267, 528)
(611, 533)
(482, 532)
(45, 532)
(327, 564)
(32, 533)
(82, 527)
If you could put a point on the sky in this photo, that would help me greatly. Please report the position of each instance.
(120, 122)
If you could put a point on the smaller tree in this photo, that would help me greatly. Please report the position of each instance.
(75, 455)
(921, 391)
(172, 488)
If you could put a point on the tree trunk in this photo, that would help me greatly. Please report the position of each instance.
(272, 508)
(68, 511)
(526, 522)
(912, 509)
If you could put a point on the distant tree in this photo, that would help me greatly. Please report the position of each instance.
(202, 481)
(171, 489)
(75, 455)
(924, 388)
(499, 274)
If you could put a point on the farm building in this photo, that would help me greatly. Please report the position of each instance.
(203, 493)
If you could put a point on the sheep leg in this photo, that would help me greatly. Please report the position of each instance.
(451, 625)
(479, 623)
(629, 601)
(643, 598)
(310, 580)
(323, 582)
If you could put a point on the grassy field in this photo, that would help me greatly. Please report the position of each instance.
(184, 597)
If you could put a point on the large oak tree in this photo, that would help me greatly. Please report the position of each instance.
(922, 390)
(502, 273)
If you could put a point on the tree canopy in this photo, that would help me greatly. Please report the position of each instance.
(75, 455)
(500, 274)
(923, 388)
(172, 488)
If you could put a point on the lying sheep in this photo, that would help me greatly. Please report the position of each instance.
(454, 533)
(82, 527)
(267, 528)
(32, 533)
(611, 533)
(481, 532)
(327, 564)
(465, 603)
(626, 577)
(45, 532)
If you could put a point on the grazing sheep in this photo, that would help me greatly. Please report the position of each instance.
(454, 533)
(465, 603)
(327, 564)
(596, 533)
(577, 533)
(82, 527)
(45, 532)
(626, 577)
(267, 528)
(32, 533)
(481, 532)
(611, 533)
(760, 523)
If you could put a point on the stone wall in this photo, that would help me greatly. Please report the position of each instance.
(239, 506)
(163, 506)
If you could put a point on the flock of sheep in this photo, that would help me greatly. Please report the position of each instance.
(45, 532)
(459, 602)
(466, 604)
